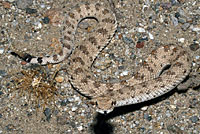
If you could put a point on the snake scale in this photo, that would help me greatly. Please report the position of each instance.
(149, 82)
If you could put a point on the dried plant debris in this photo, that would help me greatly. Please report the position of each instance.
(37, 85)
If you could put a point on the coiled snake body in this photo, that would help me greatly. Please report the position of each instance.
(148, 83)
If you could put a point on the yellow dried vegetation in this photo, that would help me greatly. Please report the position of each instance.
(37, 85)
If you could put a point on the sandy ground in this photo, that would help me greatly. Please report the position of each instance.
(143, 25)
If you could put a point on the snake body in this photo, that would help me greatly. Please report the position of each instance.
(149, 82)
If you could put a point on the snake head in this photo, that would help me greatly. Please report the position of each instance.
(104, 105)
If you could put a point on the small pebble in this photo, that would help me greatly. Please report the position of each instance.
(147, 117)
(31, 11)
(174, 20)
(181, 40)
(10, 127)
(142, 129)
(28, 20)
(194, 119)
(11, 0)
(144, 108)
(80, 128)
(23, 4)
(121, 67)
(1, 92)
(181, 12)
(3, 73)
(173, 106)
(6, 5)
(42, 6)
(59, 79)
(38, 25)
(174, 129)
(64, 102)
(141, 30)
(46, 20)
(194, 46)
(62, 120)
(177, 15)
(174, 2)
(145, 38)
(140, 44)
(185, 26)
(124, 73)
(195, 29)
(76, 98)
(15, 23)
(161, 19)
(194, 103)
(74, 109)
(1, 50)
(127, 40)
(182, 20)
(166, 5)
(151, 36)
(54, 16)
(168, 114)
(47, 113)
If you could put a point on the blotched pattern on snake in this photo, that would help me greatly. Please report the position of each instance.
(149, 82)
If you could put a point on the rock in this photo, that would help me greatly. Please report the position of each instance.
(194, 103)
(3, 73)
(62, 120)
(144, 108)
(174, 20)
(31, 11)
(1, 50)
(46, 20)
(174, 129)
(74, 109)
(127, 40)
(64, 102)
(181, 40)
(38, 25)
(166, 5)
(59, 79)
(194, 119)
(54, 16)
(182, 20)
(11, 0)
(177, 15)
(147, 117)
(140, 44)
(151, 36)
(47, 113)
(10, 127)
(140, 29)
(194, 46)
(80, 128)
(23, 4)
(6, 5)
(1, 92)
(23, 62)
(185, 26)
(195, 29)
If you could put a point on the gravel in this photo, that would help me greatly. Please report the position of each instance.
(143, 25)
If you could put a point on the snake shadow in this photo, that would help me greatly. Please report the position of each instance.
(101, 123)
